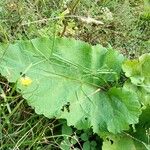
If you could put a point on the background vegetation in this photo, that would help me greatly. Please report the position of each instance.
(123, 24)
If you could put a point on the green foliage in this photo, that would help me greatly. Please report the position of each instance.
(72, 80)
(125, 27)
(68, 81)
(138, 72)
(73, 139)
(137, 140)
(146, 12)
(123, 142)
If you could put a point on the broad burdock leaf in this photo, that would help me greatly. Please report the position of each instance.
(69, 79)
(138, 72)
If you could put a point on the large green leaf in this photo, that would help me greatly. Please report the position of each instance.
(69, 79)
(139, 74)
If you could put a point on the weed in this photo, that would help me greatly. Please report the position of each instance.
(126, 27)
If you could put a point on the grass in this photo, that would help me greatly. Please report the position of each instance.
(126, 27)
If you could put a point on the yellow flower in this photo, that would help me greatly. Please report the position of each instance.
(26, 81)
